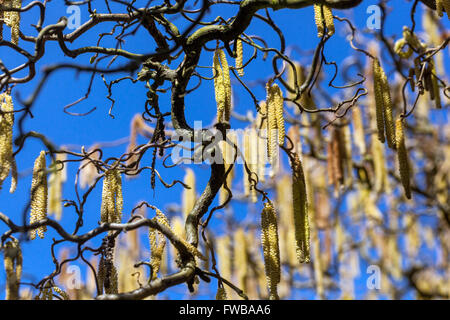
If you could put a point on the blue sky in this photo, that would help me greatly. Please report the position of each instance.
(65, 87)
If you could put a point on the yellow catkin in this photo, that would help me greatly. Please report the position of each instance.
(279, 109)
(329, 21)
(271, 250)
(403, 161)
(219, 86)
(13, 268)
(112, 198)
(387, 110)
(318, 18)
(12, 19)
(358, 131)
(379, 101)
(157, 243)
(7, 163)
(226, 84)
(379, 161)
(300, 205)
(325, 19)
(275, 121)
(189, 195)
(221, 294)
(223, 255)
(39, 195)
(443, 4)
(56, 180)
(240, 258)
(239, 57)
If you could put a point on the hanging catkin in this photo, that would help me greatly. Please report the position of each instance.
(39, 191)
(403, 161)
(240, 258)
(358, 131)
(443, 4)
(387, 110)
(271, 250)
(219, 87)
(12, 19)
(56, 180)
(222, 85)
(239, 57)
(188, 195)
(275, 121)
(13, 268)
(7, 162)
(157, 243)
(300, 205)
(379, 101)
(112, 199)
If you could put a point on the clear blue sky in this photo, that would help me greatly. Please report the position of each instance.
(65, 87)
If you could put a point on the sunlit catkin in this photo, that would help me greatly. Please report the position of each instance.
(318, 18)
(358, 130)
(188, 195)
(240, 258)
(379, 100)
(275, 121)
(271, 250)
(325, 19)
(403, 161)
(300, 205)
(112, 198)
(239, 57)
(219, 86)
(12, 19)
(56, 180)
(157, 244)
(7, 162)
(39, 195)
(387, 110)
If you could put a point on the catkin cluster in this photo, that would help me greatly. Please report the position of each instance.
(13, 268)
(383, 105)
(112, 199)
(275, 120)
(39, 195)
(7, 161)
(56, 180)
(271, 250)
(323, 17)
(222, 85)
(300, 205)
(441, 5)
(11, 19)
(403, 161)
